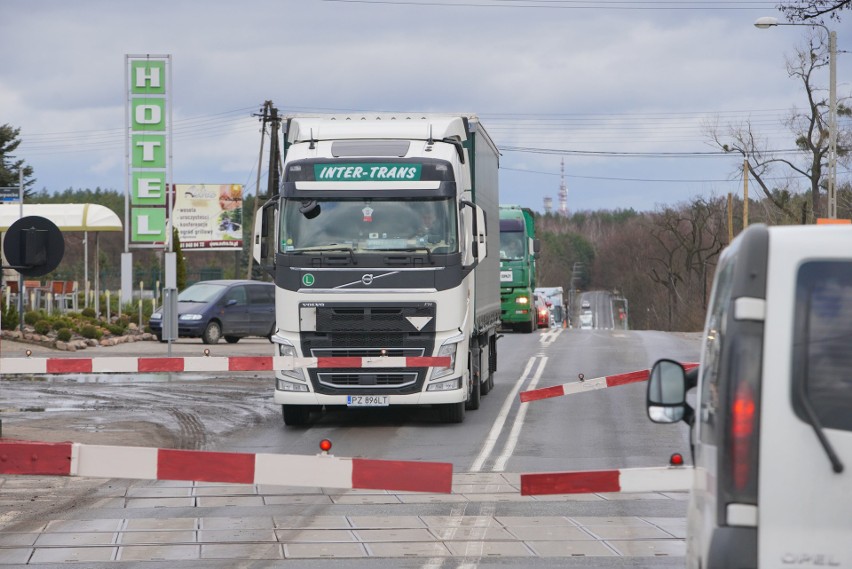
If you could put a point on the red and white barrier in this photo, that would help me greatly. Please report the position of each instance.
(656, 479)
(206, 364)
(590, 384)
(145, 463)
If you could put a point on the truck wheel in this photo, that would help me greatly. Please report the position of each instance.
(295, 415)
(474, 395)
(452, 412)
(486, 385)
(212, 333)
(527, 327)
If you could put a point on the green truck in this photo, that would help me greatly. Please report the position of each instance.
(518, 251)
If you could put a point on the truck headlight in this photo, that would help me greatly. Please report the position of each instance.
(522, 300)
(445, 385)
(448, 349)
(284, 385)
(289, 350)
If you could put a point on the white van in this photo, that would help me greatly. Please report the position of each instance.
(771, 430)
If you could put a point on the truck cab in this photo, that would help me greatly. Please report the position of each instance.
(771, 422)
(382, 243)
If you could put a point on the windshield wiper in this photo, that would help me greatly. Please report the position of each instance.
(813, 419)
(414, 250)
(328, 248)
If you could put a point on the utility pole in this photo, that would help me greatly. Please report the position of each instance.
(267, 105)
(745, 194)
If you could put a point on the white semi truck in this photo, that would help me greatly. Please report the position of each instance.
(382, 241)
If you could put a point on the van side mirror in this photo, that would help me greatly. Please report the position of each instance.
(666, 399)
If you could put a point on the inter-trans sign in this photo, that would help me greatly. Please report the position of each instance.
(367, 172)
(148, 128)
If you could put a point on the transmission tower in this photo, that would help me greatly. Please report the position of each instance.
(563, 192)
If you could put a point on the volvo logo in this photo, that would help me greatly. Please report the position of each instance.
(367, 279)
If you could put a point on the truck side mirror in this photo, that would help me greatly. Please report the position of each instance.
(536, 247)
(264, 241)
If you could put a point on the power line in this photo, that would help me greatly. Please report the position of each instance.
(577, 4)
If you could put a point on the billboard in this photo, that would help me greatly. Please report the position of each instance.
(209, 217)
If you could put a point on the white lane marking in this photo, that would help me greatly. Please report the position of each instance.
(475, 548)
(454, 523)
(512, 441)
(548, 337)
(497, 427)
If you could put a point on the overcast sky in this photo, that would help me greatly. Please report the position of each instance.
(581, 81)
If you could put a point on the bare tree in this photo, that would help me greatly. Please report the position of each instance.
(804, 10)
(685, 240)
(810, 128)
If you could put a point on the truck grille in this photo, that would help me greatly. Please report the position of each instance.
(349, 330)
(362, 379)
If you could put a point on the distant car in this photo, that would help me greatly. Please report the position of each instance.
(542, 312)
(229, 309)
(586, 321)
(585, 304)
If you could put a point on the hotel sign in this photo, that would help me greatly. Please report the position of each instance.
(148, 150)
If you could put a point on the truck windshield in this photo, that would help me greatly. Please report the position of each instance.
(512, 245)
(362, 225)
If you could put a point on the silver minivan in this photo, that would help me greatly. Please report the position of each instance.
(771, 418)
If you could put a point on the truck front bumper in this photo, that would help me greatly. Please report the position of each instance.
(289, 397)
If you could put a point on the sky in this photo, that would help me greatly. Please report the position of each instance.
(613, 99)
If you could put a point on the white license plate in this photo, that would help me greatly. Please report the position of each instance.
(367, 401)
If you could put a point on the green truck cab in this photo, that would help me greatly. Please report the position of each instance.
(518, 251)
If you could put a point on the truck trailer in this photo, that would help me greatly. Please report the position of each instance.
(383, 241)
(518, 251)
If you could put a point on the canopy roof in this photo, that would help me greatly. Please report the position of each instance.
(67, 217)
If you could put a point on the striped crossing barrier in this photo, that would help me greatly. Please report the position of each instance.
(206, 364)
(590, 384)
(655, 479)
(145, 463)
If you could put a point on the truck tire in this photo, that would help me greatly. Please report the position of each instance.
(295, 415)
(452, 412)
(491, 366)
(474, 396)
(528, 327)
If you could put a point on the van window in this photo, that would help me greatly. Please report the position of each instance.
(262, 294)
(717, 316)
(237, 293)
(822, 358)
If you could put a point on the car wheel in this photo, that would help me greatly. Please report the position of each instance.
(212, 333)
(232, 339)
(159, 338)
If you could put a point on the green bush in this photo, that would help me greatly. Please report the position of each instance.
(88, 312)
(31, 317)
(42, 327)
(9, 318)
(115, 330)
(60, 323)
(91, 332)
(64, 334)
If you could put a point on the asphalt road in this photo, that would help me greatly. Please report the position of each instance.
(50, 522)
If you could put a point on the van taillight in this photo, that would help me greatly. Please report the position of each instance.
(742, 434)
